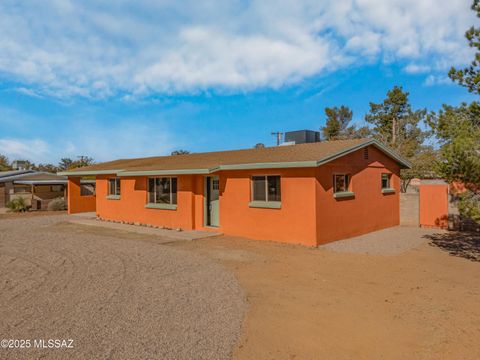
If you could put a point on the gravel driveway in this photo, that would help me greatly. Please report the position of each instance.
(390, 241)
(116, 298)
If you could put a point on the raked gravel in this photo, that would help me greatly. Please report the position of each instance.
(116, 298)
(391, 241)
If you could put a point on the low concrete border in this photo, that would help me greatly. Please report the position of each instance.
(170, 234)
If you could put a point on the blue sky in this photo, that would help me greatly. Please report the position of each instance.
(145, 78)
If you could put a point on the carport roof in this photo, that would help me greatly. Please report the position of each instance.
(289, 156)
(32, 176)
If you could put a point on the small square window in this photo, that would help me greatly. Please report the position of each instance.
(341, 182)
(386, 181)
(114, 186)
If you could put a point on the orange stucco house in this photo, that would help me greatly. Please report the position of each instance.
(307, 194)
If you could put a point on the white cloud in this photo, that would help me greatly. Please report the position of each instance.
(24, 148)
(103, 142)
(417, 69)
(104, 49)
(433, 80)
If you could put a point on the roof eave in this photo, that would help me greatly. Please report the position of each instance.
(88, 172)
(399, 159)
(164, 172)
(249, 166)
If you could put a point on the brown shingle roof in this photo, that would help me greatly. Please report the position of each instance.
(303, 153)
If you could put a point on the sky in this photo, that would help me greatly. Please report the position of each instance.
(139, 78)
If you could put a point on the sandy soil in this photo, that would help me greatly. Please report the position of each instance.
(5, 214)
(117, 297)
(422, 303)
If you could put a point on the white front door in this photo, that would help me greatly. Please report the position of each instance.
(212, 201)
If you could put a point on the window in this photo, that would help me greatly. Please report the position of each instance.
(162, 190)
(365, 153)
(114, 187)
(215, 184)
(341, 183)
(266, 188)
(386, 181)
(21, 189)
(87, 189)
(56, 188)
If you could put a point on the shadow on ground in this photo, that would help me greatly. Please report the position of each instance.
(462, 244)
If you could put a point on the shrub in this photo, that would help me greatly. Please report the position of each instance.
(57, 205)
(17, 205)
(469, 205)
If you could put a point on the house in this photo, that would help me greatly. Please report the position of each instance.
(310, 193)
(38, 188)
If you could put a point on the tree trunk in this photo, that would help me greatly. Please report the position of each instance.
(394, 131)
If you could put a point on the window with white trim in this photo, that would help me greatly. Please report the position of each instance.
(114, 186)
(341, 183)
(386, 180)
(162, 190)
(266, 188)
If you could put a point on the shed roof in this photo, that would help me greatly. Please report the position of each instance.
(14, 172)
(32, 176)
(301, 155)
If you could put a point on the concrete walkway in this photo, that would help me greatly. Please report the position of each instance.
(87, 219)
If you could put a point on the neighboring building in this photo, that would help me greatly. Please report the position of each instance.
(36, 187)
(19, 165)
(309, 194)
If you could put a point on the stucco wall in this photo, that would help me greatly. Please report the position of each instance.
(369, 209)
(133, 197)
(434, 205)
(294, 222)
(77, 203)
(409, 209)
(309, 214)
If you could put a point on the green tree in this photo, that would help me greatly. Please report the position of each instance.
(180, 152)
(4, 163)
(82, 161)
(47, 168)
(67, 163)
(458, 132)
(337, 122)
(422, 167)
(470, 76)
(395, 124)
(337, 125)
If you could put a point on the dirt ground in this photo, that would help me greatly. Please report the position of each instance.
(420, 301)
(5, 214)
(115, 297)
(319, 304)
